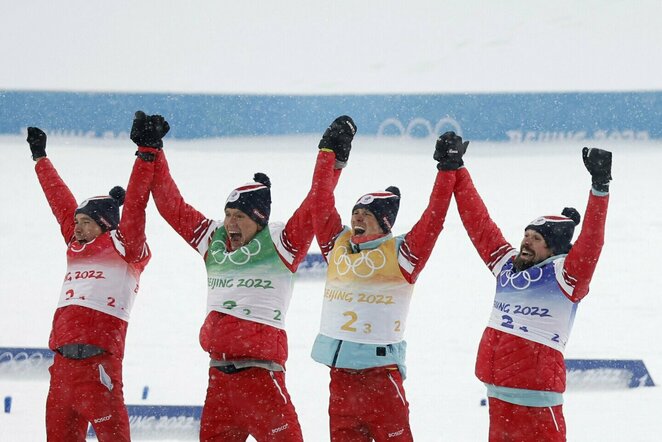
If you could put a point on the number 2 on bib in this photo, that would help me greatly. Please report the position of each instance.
(367, 327)
(348, 326)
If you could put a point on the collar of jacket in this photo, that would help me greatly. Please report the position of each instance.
(369, 245)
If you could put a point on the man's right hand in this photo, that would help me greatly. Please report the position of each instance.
(37, 141)
(449, 151)
(149, 130)
(338, 138)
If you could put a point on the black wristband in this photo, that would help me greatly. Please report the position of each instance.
(146, 156)
(450, 165)
(38, 153)
(601, 187)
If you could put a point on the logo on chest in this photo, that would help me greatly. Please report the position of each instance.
(364, 264)
(520, 280)
(241, 256)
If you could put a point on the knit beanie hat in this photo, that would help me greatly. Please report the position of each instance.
(384, 205)
(104, 210)
(254, 199)
(557, 230)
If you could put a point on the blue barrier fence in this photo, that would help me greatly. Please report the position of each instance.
(183, 421)
(25, 363)
(494, 117)
(22, 362)
(312, 267)
(607, 373)
(171, 421)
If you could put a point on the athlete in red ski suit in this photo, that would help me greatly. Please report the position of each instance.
(520, 355)
(246, 393)
(104, 263)
(369, 284)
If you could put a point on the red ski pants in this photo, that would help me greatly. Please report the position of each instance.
(82, 391)
(518, 423)
(250, 402)
(368, 404)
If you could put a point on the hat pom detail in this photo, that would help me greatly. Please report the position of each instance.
(573, 214)
(394, 190)
(118, 194)
(262, 178)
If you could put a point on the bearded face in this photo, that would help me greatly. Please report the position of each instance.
(533, 250)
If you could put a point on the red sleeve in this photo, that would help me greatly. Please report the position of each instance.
(187, 222)
(326, 219)
(483, 232)
(131, 229)
(298, 233)
(419, 242)
(59, 197)
(583, 256)
(299, 230)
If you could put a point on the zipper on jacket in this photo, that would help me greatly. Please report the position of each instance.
(335, 356)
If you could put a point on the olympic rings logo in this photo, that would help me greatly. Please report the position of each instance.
(237, 257)
(416, 124)
(22, 361)
(364, 266)
(520, 280)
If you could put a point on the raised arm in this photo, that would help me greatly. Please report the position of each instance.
(483, 232)
(419, 242)
(190, 224)
(582, 259)
(147, 132)
(59, 197)
(299, 231)
(335, 146)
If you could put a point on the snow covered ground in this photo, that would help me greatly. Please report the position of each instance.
(303, 47)
(619, 319)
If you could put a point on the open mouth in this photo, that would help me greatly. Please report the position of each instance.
(235, 236)
(359, 230)
(526, 253)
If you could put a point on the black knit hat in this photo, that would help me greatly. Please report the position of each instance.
(104, 210)
(384, 205)
(557, 230)
(254, 199)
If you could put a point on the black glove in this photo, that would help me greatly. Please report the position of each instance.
(149, 130)
(37, 141)
(598, 164)
(449, 151)
(338, 137)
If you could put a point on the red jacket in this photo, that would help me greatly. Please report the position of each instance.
(508, 360)
(227, 337)
(81, 325)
